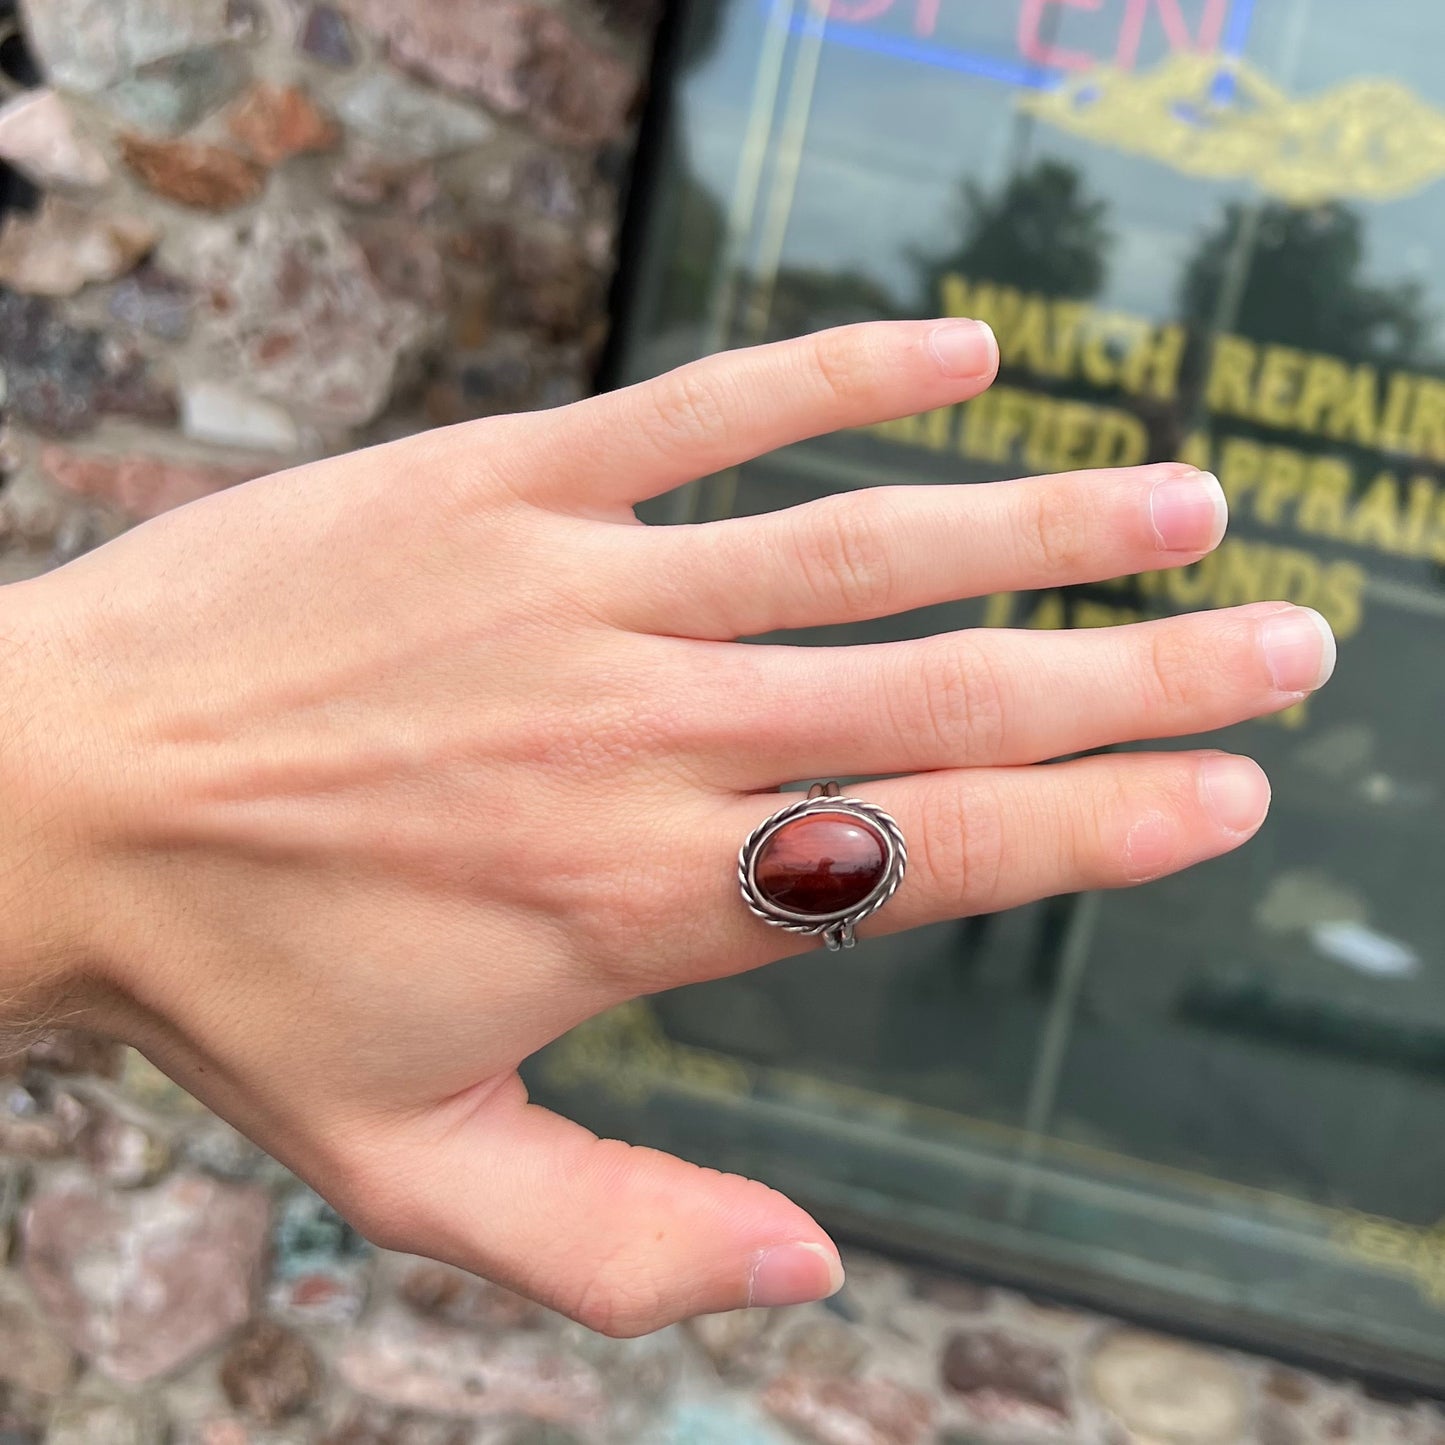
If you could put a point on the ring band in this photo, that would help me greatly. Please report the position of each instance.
(822, 865)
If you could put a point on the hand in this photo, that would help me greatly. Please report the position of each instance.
(343, 792)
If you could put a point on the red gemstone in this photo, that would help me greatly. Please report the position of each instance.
(821, 863)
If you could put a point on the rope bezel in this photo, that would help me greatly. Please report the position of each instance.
(836, 929)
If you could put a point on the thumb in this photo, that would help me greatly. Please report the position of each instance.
(622, 1239)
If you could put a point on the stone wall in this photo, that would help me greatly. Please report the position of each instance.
(163, 1283)
(255, 231)
(258, 231)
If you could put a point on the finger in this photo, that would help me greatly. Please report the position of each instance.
(610, 451)
(979, 840)
(622, 1239)
(886, 550)
(990, 697)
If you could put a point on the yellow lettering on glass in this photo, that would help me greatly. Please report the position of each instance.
(1374, 139)
(1417, 1254)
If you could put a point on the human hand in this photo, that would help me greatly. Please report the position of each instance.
(343, 792)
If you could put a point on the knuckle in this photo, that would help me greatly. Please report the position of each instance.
(962, 704)
(845, 554)
(377, 1212)
(621, 1293)
(1090, 824)
(1052, 532)
(391, 1208)
(1171, 668)
(838, 360)
(391, 1234)
(614, 962)
(1121, 829)
(620, 1308)
(686, 411)
(984, 844)
(627, 927)
(1150, 848)
(960, 847)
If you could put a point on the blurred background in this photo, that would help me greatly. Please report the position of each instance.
(1158, 1168)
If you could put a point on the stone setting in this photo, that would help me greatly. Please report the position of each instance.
(821, 865)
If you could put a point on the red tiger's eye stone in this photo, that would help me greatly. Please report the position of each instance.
(821, 863)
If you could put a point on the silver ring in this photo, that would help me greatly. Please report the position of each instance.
(808, 892)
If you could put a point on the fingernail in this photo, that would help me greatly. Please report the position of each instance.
(794, 1274)
(964, 348)
(1235, 791)
(1264, 609)
(1299, 649)
(1189, 513)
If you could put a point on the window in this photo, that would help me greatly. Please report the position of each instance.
(1202, 228)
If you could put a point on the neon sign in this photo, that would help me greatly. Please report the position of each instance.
(1032, 42)
(917, 31)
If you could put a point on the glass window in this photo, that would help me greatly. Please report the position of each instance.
(1201, 228)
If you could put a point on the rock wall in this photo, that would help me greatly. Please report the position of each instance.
(255, 231)
(164, 1283)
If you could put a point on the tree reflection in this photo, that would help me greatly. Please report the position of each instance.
(1039, 231)
(693, 216)
(1298, 278)
(808, 298)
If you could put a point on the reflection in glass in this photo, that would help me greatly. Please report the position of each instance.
(1217, 1098)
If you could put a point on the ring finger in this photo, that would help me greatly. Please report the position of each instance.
(979, 840)
(986, 839)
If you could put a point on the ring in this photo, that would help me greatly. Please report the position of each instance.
(822, 865)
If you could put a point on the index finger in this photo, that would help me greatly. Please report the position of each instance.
(624, 446)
